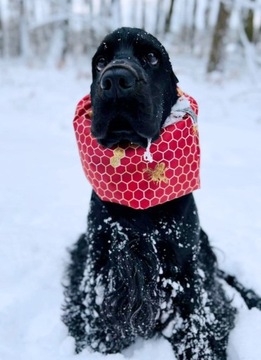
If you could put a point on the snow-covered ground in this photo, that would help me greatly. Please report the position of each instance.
(44, 202)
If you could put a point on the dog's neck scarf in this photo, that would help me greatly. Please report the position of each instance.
(137, 177)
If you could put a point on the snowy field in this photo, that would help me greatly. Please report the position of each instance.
(44, 202)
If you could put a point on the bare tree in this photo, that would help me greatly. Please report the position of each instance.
(207, 13)
(246, 36)
(248, 20)
(169, 16)
(50, 31)
(185, 33)
(24, 30)
(193, 25)
(65, 28)
(217, 47)
(158, 12)
(12, 29)
(91, 25)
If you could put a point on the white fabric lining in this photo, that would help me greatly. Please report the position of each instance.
(178, 111)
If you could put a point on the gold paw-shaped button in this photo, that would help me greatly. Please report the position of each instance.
(118, 154)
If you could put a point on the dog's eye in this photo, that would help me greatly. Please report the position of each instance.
(152, 59)
(101, 63)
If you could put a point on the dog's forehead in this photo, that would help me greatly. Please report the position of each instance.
(129, 40)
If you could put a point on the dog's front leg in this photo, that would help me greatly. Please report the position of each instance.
(101, 296)
(195, 335)
(116, 298)
(201, 326)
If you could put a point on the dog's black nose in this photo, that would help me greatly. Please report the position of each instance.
(117, 82)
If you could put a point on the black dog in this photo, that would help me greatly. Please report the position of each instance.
(142, 272)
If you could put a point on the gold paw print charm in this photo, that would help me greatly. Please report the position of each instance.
(158, 173)
(118, 154)
(89, 114)
(195, 129)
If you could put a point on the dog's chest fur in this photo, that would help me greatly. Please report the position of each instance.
(134, 280)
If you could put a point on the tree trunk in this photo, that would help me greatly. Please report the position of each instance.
(91, 28)
(24, 31)
(169, 17)
(248, 18)
(249, 51)
(13, 36)
(217, 48)
(193, 25)
(206, 15)
(185, 30)
(65, 33)
(158, 12)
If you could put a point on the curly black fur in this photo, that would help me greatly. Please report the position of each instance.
(136, 273)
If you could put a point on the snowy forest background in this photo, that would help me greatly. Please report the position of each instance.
(37, 30)
(45, 54)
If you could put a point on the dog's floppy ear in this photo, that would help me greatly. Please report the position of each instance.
(170, 94)
(175, 79)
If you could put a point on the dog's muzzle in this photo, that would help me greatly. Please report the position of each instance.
(118, 86)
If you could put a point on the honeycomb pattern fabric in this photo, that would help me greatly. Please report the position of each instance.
(126, 177)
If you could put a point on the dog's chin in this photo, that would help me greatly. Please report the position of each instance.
(123, 140)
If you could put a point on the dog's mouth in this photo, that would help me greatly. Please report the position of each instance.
(123, 138)
(124, 144)
(122, 134)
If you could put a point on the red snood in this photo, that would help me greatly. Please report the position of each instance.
(137, 177)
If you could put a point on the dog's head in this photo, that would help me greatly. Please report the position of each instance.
(133, 88)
